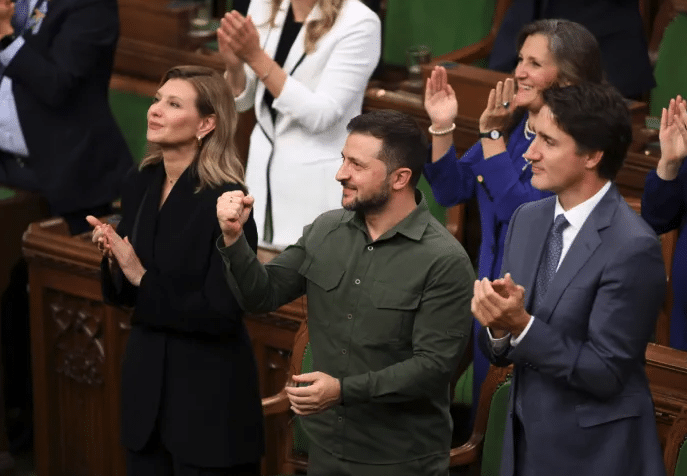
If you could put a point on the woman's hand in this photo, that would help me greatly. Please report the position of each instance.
(440, 100)
(126, 257)
(100, 236)
(240, 36)
(232, 62)
(117, 249)
(499, 107)
(673, 138)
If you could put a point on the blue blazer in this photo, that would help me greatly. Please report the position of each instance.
(579, 370)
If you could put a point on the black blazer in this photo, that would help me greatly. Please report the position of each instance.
(616, 24)
(60, 79)
(188, 363)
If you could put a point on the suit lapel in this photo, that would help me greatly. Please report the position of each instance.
(582, 248)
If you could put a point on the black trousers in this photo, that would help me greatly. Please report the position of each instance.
(156, 460)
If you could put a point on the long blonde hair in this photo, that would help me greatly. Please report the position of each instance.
(216, 161)
(315, 29)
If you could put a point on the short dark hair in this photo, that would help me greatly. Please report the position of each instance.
(403, 142)
(597, 118)
(573, 47)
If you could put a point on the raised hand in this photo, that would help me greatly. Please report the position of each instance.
(440, 99)
(224, 32)
(499, 107)
(673, 138)
(239, 35)
(233, 210)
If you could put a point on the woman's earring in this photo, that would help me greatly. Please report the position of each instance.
(200, 141)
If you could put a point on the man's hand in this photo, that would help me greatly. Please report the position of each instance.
(323, 392)
(233, 210)
(6, 13)
(500, 306)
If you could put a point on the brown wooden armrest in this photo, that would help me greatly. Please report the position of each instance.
(468, 452)
(276, 404)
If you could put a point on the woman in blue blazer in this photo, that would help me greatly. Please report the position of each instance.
(493, 170)
(664, 207)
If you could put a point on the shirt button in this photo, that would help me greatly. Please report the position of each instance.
(357, 281)
(343, 351)
(370, 248)
(350, 316)
(340, 419)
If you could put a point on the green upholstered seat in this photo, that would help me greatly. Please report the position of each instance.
(6, 193)
(130, 110)
(681, 466)
(496, 425)
(671, 68)
(462, 394)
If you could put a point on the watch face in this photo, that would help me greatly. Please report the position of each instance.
(494, 134)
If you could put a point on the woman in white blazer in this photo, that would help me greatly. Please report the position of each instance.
(317, 84)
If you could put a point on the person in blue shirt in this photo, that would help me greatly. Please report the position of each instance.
(494, 171)
(664, 207)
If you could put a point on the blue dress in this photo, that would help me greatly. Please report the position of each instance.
(664, 207)
(501, 184)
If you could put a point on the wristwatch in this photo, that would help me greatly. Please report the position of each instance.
(6, 40)
(492, 134)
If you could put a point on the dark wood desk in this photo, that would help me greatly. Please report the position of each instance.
(77, 343)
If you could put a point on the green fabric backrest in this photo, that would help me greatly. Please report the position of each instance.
(300, 438)
(462, 393)
(130, 111)
(443, 25)
(681, 466)
(496, 425)
(671, 67)
(6, 193)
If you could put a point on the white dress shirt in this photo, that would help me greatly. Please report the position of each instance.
(576, 217)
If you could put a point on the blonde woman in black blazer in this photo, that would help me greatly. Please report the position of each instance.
(190, 398)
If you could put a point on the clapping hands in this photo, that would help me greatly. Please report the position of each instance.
(117, 250)
(238, 39)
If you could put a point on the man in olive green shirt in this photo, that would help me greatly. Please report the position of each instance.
(389, 316)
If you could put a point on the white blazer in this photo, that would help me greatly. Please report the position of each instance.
(297, 156)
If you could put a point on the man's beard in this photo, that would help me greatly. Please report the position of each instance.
(370, 204)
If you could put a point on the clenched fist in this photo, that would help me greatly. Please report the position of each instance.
(233, 210)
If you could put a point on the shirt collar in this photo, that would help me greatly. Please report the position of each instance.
(413, 226)
(578, 214)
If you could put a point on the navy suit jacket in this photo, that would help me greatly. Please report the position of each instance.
(616, 24)
(579, 370)
(60, 80)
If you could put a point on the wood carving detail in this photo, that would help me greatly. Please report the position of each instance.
(79, 348)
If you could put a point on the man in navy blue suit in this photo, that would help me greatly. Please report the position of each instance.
(584, 281)
(57, 134)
